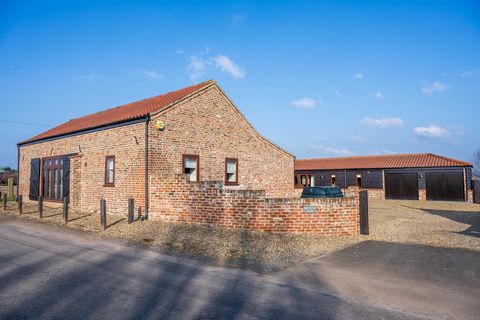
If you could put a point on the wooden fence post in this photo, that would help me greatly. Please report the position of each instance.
(364, 212)
(103, 214)
(40, 207)
(5, 201)
(65, 210)
(10, 188)
(20, 204)
(130, 210)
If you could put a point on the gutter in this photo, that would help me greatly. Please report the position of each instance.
(146, 166)
(87, 130)
(18, 168)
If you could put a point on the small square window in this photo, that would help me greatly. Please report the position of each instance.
(191, 166)
(359, 180)
(303, 180)
(231, 171)
(110, 171)
(333, 180)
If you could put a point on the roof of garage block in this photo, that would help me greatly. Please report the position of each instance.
(390, 161)
(126, 112)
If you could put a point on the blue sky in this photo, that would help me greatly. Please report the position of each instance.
(319, 78)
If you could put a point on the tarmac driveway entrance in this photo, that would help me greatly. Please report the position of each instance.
(48, 272)
(422, 280)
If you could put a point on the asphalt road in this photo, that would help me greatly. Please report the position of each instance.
(47, 272)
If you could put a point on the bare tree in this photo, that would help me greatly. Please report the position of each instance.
(476, 163)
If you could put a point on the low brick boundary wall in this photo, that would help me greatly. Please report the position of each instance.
(375, 194)
(173, 198)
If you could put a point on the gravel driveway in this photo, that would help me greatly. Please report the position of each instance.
(441, 224)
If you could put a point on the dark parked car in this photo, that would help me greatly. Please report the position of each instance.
(322, 192)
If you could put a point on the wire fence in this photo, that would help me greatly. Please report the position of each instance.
(39, 207)
(118, 212)
(30, 206)
(70, 209)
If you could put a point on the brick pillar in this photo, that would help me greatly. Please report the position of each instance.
(75, 183)
(470, 196)
(422, 194)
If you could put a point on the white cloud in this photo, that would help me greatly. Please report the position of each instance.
(388, 151)
(152, 74)
(227, 65)
(200, 64)
(333, 151)
(377, 95)
(236, 19)
(358, 139)
(382, 122)
(432, 87)
(432, 131)
(305, 103)
(91, 77)
(469, 73)
(179, 51)
(358, 76)
(383, 151)
(196, 68)
(206, 51)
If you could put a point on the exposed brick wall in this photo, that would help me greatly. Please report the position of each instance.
(175, 199)
(206, 124)
(76, 182)
(375, 193)
(422, 194)
(127, 143)
(209, 126)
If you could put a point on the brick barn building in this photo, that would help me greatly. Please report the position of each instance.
(186, 156)
(399, 176)
(114, 154)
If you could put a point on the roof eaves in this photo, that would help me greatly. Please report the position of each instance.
(378, 168)
(460, 162)
(76, 132)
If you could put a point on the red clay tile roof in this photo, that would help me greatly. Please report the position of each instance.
(122, 113)
(390, 161)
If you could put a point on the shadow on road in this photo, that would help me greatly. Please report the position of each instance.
(440, 282)
(46, 276)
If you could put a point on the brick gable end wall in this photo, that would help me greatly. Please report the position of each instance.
(208, 125)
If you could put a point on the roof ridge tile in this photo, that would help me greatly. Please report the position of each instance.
(412, 160)
(124, 112)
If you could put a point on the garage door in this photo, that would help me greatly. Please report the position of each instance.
(403, 186)
(447, 186)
